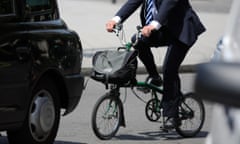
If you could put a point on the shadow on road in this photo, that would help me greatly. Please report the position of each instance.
(66, 142)
(156, 135)
(143, 136)
(4, 140)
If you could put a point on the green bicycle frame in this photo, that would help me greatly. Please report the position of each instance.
(150, 86)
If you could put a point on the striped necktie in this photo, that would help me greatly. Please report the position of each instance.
(149, 11)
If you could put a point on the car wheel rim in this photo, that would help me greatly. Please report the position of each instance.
(42, 115)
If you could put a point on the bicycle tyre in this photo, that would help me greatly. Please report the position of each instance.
(111, 112)
(188, 117)
(152, 110)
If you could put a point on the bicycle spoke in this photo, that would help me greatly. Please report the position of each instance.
(106, 117)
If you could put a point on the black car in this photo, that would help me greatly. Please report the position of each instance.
(40, 70)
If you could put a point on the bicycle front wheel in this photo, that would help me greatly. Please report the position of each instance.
(152, 110)
(106, 117)
(191, 114)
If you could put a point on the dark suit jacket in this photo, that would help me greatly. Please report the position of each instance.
(177, 16)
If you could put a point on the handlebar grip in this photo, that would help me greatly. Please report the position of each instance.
(118, 26)
(139, 27)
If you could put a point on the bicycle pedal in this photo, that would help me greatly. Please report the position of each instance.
(143, 89)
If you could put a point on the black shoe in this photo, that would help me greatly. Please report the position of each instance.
(172, 123)
(157, 81)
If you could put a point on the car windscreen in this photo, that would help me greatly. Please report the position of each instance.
(6, 7)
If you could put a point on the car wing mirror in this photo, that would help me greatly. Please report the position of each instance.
(219, 82)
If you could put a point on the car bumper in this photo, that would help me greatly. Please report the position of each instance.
(75, 86)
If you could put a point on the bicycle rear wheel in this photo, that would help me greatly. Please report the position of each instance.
(106, 117)
(191, 114)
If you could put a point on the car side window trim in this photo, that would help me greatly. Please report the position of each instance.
(36, 6)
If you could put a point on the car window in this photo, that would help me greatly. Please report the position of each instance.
(236, 31)
(6, 7)
(231, 40)
(38, 5)
(40, 10)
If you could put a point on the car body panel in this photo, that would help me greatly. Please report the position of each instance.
(222, 83)
(33, 45)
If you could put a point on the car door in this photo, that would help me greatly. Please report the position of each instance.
(14, 62)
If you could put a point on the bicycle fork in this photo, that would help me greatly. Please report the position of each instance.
(116, 95)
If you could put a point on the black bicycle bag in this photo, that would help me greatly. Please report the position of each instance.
(114, 66)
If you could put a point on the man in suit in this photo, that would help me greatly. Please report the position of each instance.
(171, 23)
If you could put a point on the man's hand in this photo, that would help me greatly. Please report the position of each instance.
(110, 25)
(147, 30)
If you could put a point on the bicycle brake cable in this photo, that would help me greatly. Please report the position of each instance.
(133, 91)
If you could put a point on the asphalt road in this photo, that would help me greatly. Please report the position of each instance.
(75, 128)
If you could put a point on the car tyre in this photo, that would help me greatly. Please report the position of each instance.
(42, 120)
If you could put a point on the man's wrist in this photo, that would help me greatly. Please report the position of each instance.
(155, 24)
(117, 19)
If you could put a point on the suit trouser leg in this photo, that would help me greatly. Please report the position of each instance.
(146, 56)
(171, 81)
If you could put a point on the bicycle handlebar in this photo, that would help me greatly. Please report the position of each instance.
(119, 28)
